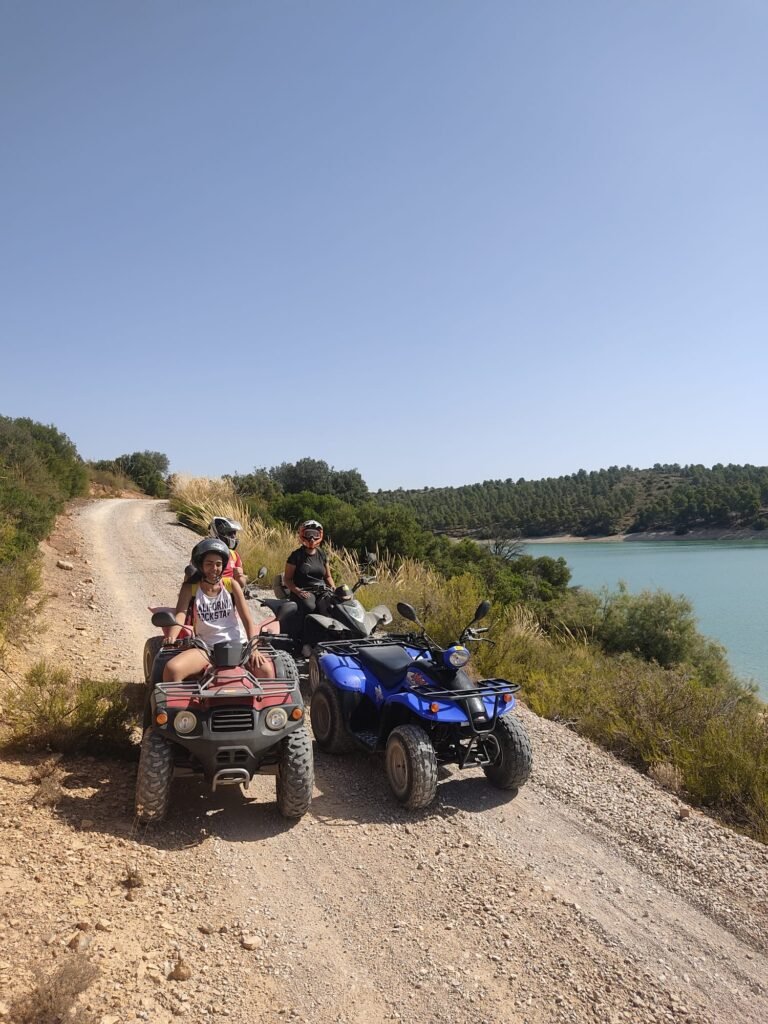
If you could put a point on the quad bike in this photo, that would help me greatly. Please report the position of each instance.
(227, 725)
(340, 616)
(412, 699)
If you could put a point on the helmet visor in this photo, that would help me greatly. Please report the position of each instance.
(311, 533)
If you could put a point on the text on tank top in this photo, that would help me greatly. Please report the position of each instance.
(216, 618)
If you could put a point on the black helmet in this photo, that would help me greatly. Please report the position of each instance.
(226, 530)
(209, 547)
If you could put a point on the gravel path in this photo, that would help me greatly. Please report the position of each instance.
(587, 898)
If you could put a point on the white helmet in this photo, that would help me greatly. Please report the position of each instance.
(226, 530)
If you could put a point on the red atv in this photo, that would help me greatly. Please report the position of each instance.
(227, 725)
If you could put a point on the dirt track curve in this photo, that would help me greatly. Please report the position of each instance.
(588, 898)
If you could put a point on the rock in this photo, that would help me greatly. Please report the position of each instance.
(251, 941)
(205, 929)
(80, 941)
(180, 972)
(61, 564)
(684, 812)
(110, 1019)
(102, 925)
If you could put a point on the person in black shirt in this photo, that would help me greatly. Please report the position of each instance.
(307, 574)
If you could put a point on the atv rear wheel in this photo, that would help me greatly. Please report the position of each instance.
(151, 648)
(295, 774)
(313, 671)
(513, 762)
(153, 782)
(411, 766)
(328, 724)
(285, 668)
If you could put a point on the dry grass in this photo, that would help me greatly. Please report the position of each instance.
(53, 999)
(47, 710)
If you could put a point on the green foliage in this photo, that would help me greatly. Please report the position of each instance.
(39, 470)
(307, 474)
(601, 503)
(47, 710)
(148, 470)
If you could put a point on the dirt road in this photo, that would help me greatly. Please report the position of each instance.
(587, 898)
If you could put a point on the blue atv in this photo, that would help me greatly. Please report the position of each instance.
(412, 699)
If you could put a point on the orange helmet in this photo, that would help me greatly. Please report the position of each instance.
(311, 531)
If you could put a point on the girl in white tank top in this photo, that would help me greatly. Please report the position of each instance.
(216, 618)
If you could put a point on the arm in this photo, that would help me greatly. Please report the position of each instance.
(185, 596)
(328, 578)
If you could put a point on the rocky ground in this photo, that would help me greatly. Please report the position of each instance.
(594, 896)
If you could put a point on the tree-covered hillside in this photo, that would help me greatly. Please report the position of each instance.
(600, 503)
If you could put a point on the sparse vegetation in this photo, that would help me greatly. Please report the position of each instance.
(53, 1000)
(48, 710)
(39, 470)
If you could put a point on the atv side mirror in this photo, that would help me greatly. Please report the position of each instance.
(407, 612)
(164, 619)
(482, 610)
(262, 572)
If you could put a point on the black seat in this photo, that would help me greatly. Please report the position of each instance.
(388, 664)
(276, 603)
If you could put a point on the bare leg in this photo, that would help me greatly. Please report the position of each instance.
(182, 666)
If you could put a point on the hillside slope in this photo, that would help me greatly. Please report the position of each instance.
(588, 898)
(598, 503)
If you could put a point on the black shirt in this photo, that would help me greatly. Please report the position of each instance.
(310, 568)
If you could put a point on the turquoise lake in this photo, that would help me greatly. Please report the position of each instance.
(726, 581)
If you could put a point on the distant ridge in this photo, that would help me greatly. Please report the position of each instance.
(599, 503)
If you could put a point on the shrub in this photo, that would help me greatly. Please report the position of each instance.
(53, 998)
(47, 710)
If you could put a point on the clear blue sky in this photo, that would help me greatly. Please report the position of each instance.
(437, 241)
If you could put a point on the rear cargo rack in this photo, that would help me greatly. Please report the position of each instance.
(350, 646)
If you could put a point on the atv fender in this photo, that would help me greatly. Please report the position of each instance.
(343, 672)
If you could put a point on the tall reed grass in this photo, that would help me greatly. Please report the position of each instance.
(714, 735)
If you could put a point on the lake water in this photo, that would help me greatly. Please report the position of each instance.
(726, 581)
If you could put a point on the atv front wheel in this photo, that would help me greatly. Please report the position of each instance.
(512, 766)
(328, 724)
(153, 782)
(411, 766)
(295, 774)
(151, 648)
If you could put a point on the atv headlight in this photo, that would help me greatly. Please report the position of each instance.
(356, 611)
(276, 719)
(456, 656)
(185, 722)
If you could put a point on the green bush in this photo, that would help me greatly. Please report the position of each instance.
(49, 711)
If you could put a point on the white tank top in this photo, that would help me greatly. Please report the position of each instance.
(216, 618)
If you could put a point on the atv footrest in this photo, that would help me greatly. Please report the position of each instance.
(367, 738)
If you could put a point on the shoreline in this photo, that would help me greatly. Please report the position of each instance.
(654, 535)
